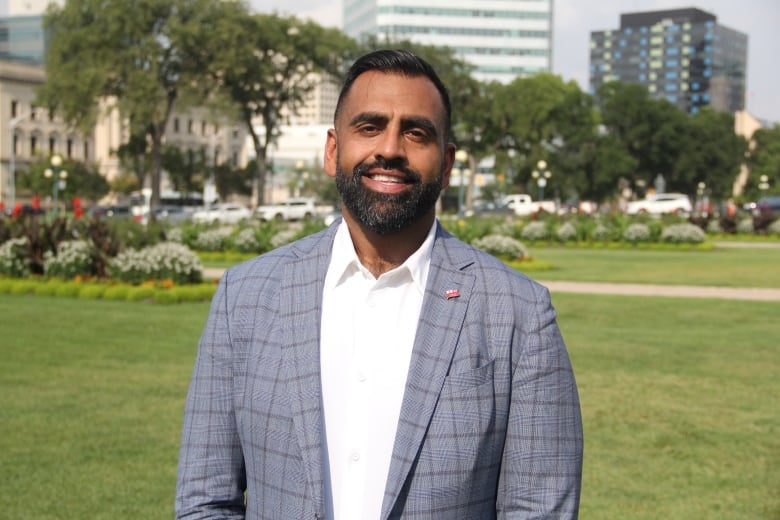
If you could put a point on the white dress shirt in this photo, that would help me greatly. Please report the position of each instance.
(367, 335)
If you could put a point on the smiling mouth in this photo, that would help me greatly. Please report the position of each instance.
(393, 179)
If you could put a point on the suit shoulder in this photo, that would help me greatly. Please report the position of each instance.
(493, 274)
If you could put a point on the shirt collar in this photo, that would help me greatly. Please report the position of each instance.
(344, 261)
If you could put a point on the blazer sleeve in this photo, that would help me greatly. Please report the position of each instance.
(211, 476)
(542, 462)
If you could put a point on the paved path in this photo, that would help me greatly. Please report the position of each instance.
(683, 291)
(634, 289)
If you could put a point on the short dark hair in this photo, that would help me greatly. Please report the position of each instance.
(399, 62)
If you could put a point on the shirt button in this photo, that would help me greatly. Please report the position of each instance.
(356, 456)
(361, 377)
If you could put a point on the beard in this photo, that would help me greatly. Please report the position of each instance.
(386, 213)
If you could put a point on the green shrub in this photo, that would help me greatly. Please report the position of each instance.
(167, 296)
(23, 287)
(567, 232)
(92, 291)
(501, 246)
(73, 258)
(5, 285)
(140, 293)
(68, 289)
(164, 261)
(683, 233)
(14, 261)
(116, 292)
(536, 230)
(49, 288)
(637, 232)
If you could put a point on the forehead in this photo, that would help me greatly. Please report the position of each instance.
(393, 94)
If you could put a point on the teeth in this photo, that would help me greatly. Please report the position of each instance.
(386, 178)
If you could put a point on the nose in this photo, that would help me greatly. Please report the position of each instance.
(390, 146)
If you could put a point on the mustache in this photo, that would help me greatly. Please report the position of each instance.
(398, 165)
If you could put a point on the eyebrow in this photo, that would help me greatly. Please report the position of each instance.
(406, 122)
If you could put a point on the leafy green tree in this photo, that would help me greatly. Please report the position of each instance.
(185, 168)
(231, 180)
(126, 54)
(83, 180)
(264, 65)
(712, 154)
(650, 131)
(764, 159)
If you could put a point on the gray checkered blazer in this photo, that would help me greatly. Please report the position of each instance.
(490, 424)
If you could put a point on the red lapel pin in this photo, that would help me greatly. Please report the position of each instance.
(452, 293)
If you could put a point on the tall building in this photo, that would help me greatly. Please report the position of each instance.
(503, 39)
(681, 55)
(22, 39)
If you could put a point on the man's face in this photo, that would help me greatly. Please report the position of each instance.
(388, 152)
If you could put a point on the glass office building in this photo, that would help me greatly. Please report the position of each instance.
(22, 39)
(682, 55)
(502, 38)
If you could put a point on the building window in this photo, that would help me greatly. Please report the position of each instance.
(86, 150)
(33, 145)
(14, 109)
(32, 112)
(176, 125)
(52, 145)
(189, 126)
(69, 148)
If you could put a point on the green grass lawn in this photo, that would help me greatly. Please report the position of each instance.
(679, 399)
(720, 267)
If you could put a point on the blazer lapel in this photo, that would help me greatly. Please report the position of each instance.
(444, 309)
(300, 313)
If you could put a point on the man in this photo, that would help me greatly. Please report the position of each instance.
(382, 368)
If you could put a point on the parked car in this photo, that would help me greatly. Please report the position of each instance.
(766, 206)
(172, 214)
(489, 208)
(225, 213)
(110, 212)
(523, 205)
(296, 208)
(661, 204)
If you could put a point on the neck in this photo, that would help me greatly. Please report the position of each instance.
(382, 253)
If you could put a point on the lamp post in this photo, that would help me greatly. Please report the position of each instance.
(12, 159)
(542, 175)
(461, 159)
(763, 184)
(59, 179)
(300, 170)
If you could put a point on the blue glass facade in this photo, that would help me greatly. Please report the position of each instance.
(681, 55)
(22, 39)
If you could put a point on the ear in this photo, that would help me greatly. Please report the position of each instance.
(449, 160)
(331, 153)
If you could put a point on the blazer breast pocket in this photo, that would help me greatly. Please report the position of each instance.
(470, 379)
(466, 427)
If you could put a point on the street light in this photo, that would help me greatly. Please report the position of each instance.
(59, 178)
(763, 184)
(12, 162)
(541, 174)
(302, 175)
(461, 160)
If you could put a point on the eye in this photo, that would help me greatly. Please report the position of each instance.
(368, 129)
(418, 134)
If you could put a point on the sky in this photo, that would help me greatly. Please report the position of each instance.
(575, 19)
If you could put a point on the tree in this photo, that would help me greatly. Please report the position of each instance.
(764, 159)
(265, 65)
(184, 168)
(125, 55)
(83, 180)
(649, 130)
(712, 154)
